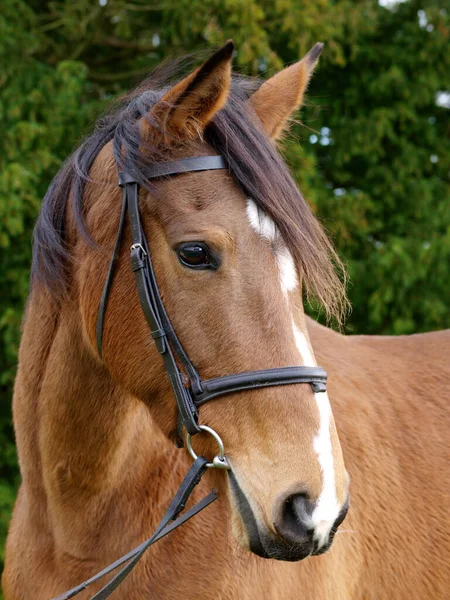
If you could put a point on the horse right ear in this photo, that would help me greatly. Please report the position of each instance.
(186, 109)
(282, 94)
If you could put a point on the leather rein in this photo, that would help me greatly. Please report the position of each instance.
(198, 391)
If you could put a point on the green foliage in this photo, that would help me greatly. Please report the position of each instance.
(389, 163)
(371, 155)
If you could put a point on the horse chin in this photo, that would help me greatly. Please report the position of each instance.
(267, 547)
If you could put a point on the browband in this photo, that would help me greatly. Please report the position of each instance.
(175, 167)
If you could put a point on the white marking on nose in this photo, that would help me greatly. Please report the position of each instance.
(327, 508)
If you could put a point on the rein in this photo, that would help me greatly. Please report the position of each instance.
(192, 478)
(198, 391)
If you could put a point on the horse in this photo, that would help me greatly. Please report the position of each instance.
(234, 252)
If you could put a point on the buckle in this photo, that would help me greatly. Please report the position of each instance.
(138, 247)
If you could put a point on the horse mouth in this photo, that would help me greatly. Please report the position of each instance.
(277, 550)
(264, 545)
(268, 545)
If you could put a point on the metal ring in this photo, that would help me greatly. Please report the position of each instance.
(220, 460)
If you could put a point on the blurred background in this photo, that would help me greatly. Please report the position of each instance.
(371, 153)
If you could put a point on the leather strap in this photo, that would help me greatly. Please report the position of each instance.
(109, 279)
(150, 300)
(250, 380)
(181, 354)
(186, 165)
(186, 488)
(175, 167)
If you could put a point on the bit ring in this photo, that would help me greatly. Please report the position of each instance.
(219, 461)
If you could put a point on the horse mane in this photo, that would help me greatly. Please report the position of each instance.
(236, 133)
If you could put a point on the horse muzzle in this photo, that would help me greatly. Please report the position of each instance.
(293, 537)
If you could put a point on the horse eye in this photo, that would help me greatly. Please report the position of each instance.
(196, 255)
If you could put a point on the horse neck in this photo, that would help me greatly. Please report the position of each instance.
(82, 440)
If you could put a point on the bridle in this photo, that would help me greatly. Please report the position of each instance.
(197, 391)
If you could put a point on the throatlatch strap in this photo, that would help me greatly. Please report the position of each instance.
(186, 488)
(109, 277)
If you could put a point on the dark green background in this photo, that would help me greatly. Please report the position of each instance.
(371, 154)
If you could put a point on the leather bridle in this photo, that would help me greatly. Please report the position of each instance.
(197, 391)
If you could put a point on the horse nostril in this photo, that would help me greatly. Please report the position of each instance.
(294, 521)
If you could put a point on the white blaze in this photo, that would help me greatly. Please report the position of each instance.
(303, 346)
(266, 228)
(286, 266)
(261, 223)
(327, 507)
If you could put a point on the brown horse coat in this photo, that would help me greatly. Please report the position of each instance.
(394, 544)
(95, 437)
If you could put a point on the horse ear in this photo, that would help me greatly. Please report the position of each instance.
(282, 94)
(186, 108)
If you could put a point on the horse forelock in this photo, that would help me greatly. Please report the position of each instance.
(257, 168)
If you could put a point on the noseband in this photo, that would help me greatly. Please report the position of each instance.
(197, 391)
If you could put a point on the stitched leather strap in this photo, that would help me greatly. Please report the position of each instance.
(188, 484)
(196, 163)
(151, 305)
(149, 296)
(176, 167)
(179, 351)
(249, 380)
(186, 165)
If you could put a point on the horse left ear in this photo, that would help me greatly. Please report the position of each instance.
(282, 94)
(188, 106)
